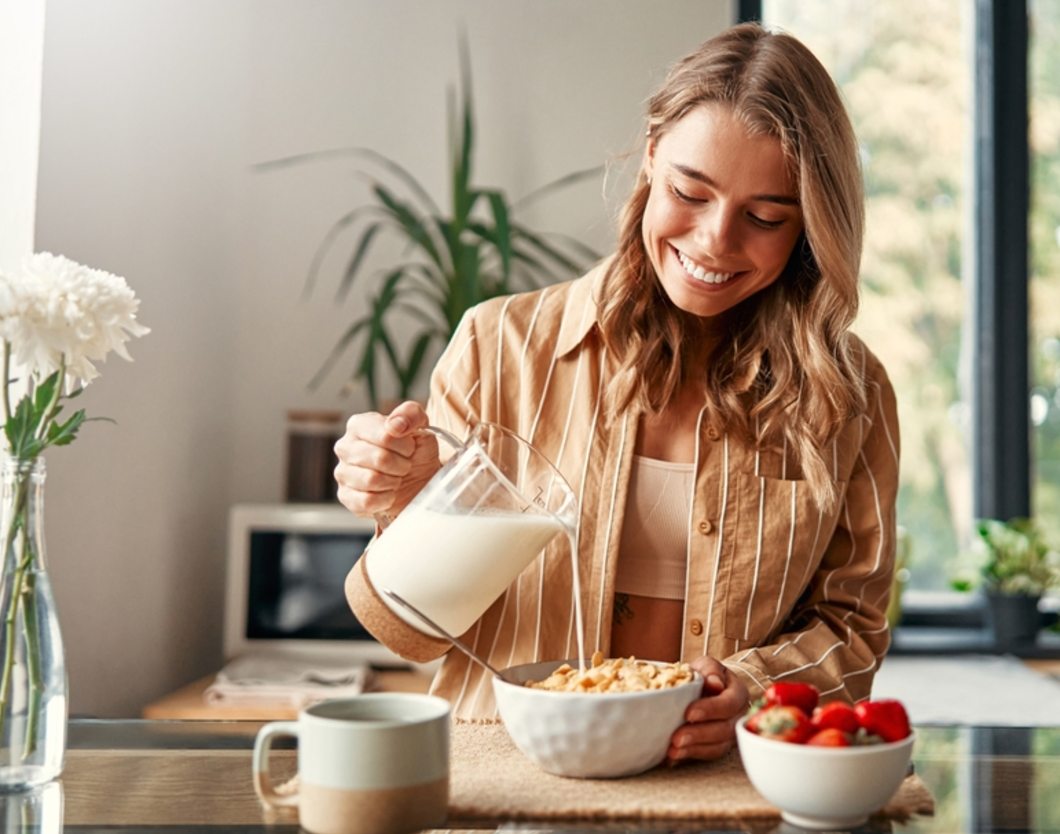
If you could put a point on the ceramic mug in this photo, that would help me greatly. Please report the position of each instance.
(371, 764)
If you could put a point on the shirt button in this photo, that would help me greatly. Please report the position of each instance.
(696, 627)
(706, 527)
(713, 433)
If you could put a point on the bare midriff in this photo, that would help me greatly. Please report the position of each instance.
(649, 629)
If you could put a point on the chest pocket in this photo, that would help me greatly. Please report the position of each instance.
(772, 551)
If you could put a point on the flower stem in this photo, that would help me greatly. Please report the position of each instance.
(7, 381)
(33, 660)
(18, 519)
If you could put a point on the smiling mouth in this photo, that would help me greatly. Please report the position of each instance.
(701, 274)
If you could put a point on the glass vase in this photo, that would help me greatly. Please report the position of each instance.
(33, 694)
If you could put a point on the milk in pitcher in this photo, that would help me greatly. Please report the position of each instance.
(453, 566)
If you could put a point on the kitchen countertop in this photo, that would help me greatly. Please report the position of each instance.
(185, 776)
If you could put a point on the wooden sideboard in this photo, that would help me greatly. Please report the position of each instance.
(187, 702)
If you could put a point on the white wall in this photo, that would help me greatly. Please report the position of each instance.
(154, 112)
(21, 57)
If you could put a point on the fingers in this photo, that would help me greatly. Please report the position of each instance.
(724, 695)
(714, 674)
(380, 457)
(706, 741)
(711, 728)
(407, 417)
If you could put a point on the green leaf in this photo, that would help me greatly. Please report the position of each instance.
(363, 243)
(62, 434)
(559, 184)
(502, 231)
(411, 370)
(46, 395)
(332, 234)
(21, 428)
(409, 223)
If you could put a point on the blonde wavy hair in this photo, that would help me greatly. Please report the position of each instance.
(787, 373)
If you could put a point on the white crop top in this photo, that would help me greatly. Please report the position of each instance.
(652, 553)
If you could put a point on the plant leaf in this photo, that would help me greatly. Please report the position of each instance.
(363, 243)
(556, 185)
(62, 434)
(406, 219)
(21, 428)
(336, 229)
(411, 369)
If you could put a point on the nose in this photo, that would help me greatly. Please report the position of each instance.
(717, 231)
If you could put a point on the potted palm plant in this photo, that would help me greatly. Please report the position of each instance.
(1020, 566)
(454, 257)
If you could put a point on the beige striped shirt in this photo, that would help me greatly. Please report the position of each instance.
(774, 588)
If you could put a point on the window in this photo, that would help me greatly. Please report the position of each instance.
(905, 73)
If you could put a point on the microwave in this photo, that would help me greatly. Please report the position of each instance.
(284, 591)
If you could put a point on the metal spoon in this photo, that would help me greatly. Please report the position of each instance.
(432, 624)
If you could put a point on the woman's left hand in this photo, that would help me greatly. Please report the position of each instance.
(711, 729)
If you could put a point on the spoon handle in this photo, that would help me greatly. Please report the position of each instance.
(432, 624)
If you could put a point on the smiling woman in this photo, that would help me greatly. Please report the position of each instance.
(733, 446)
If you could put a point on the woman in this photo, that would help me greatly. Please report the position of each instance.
(734, 447)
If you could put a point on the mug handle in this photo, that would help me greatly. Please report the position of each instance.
(263, 785)
(383, 519)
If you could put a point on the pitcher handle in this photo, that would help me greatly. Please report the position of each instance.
(383, 519)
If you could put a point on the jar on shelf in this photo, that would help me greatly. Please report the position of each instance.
(311, 460)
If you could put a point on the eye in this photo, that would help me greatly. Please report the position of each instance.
(684, 198)
(766, 224)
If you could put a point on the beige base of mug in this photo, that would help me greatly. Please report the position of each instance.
(383, 811)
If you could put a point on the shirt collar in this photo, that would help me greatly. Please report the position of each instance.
(583, 316)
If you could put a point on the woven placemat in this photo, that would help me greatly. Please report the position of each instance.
(490, 778)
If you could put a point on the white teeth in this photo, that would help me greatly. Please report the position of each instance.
(700, 274)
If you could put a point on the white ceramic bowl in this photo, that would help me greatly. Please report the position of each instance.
(824, 787)
(590, 735)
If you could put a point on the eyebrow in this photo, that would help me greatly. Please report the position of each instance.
(692, 173)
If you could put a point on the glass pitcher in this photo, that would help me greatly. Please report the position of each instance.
(475, 526)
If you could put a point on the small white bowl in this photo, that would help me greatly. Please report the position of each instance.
(824, 787)
(590, 735)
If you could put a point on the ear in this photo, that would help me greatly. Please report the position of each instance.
(649, 158)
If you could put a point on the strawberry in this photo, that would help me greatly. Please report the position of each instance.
(837, 714)
(830, 737)
(781, 723)
(801, 695)
(885, 718)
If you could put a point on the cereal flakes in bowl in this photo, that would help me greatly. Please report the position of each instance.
(614, 719)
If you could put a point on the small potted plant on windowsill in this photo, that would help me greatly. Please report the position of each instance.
(1020, 566)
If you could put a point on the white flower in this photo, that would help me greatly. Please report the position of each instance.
(61, 311)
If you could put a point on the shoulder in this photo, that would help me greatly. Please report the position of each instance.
(879, 392)
(559, 313)
(880, 418)
(869, 364)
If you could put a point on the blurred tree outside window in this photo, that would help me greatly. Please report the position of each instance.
(904, 70)
(1044, 83)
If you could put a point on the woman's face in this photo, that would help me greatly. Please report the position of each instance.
(723, 214)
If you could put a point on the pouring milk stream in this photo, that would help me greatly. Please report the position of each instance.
(476, 525)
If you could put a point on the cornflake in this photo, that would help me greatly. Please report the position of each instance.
(616, 675)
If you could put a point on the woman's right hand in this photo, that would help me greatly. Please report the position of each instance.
(384, 461)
